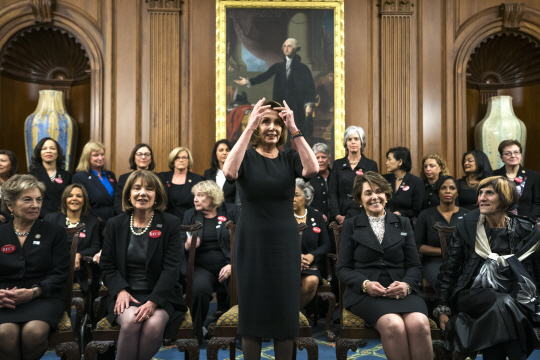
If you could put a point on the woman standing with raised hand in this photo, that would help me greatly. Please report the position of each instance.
(267, 248)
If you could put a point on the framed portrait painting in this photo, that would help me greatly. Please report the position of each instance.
(282, 50)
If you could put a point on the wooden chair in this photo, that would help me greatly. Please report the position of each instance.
(226, 329)
(105, 335)
(64, 339)
(354, 331)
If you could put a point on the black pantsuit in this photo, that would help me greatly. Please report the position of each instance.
(408, 198)
(42, 261)
(88, 245)
(53, 189)
(205, 278)
(163, 262)
(179, 206)
(101, 202)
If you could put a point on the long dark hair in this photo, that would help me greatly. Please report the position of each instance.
(38, 161)
(483, 166)
(214, 166)
(133, 165)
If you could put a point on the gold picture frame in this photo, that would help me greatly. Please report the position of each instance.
(265, 8)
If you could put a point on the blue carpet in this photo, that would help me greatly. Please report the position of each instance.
(327, 350)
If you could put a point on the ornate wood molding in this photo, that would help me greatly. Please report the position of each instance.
(43, 10)
(165, 4)
(164, 79)
(395, 100)
(512, 14)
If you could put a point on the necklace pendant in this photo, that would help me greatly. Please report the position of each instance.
(139, 231)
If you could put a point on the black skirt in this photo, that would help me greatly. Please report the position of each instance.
(315, 272)
(488, 318)
(49, 310)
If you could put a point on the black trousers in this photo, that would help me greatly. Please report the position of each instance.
(205, 282)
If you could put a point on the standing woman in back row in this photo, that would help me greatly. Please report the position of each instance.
(345, 170)
(267, 247)
(48, 167)
(99, 183)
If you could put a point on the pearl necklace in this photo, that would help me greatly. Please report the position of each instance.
(140, 232)
(70, 225)
(21, 234)
(300, 217)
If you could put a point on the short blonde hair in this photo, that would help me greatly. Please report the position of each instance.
(84, 161)
(16, 185)
(371, 178)
(173, 154)
(256, 137)
(440, 161)
(151, 179)
(505, 188)
(211, 189)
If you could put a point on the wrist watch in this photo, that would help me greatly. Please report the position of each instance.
(34, 293)
(409, 290)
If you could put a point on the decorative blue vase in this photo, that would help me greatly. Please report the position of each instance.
(50, 119)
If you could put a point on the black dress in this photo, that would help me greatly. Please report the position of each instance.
(267, 246)
(425, 234)
(42, 261)
(53, 188)
(467, 195)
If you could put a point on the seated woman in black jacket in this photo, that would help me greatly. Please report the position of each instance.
(489, 280)
(448, 214)
(315, 241)
(140, 264)
(527, 181)
(74, 211)
(179, 181)
(407, 189)
(213, 255)
(141, 158)
(222, 148)
(476, 167)
(98, 182)
(48, 167)
(379, 264)
(344, 171)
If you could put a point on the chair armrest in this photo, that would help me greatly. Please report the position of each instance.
(79, 307)
(89, 263)
(99, 308)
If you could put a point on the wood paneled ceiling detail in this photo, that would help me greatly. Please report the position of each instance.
(504, 60)
(45, 55)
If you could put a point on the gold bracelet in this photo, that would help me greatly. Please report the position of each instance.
(364, 286)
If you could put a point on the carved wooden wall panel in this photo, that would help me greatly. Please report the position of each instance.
(164, 81)
(395, 74)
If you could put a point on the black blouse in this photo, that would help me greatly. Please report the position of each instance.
(467, 196)
(341, 182)
(425, 234)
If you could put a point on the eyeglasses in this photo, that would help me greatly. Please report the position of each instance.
(143, 155)
(183, 158)
(509, 154)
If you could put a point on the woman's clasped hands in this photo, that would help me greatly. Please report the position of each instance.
(397, 289)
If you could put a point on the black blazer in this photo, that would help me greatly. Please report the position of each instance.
(229, 212)
(316, 243)
(43, 262)
(101, 203)
(179, 206)
(529, 201)
(320, 196)
(407, 202)
(88, 239)
(229, 188)
(430, 197)
(53, 189)
(341, 181)
(163, 260)
(362, 257)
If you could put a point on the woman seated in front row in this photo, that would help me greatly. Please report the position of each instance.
(74, 206)
(379, 263)
(213, 254)
(315, 241)
(140, 264)
(33, 272)
(489, 279)
(448, 214)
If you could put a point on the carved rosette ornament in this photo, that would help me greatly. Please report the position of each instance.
(43, 10)
(512, 14)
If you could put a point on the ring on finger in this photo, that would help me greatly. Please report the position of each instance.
(147, 316)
